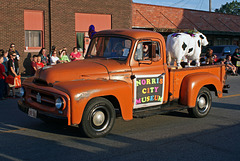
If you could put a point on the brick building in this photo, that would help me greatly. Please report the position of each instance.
(32, 25)
(220, 29)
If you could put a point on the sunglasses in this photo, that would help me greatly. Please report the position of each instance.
(14, 55)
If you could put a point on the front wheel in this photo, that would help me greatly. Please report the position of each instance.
(203, 103)
(98, 118)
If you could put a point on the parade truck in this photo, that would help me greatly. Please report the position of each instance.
(124, 74)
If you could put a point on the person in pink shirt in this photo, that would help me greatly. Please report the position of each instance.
(75, 55)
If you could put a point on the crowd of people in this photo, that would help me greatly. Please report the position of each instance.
(232, 62)
(9, 65)
(55, 57)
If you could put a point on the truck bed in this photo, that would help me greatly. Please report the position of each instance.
(176, 76)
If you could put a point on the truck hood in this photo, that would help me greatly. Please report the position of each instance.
(84, 69)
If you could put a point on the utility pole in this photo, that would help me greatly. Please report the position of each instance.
(210, 5)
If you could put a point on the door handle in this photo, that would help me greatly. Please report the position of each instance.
(132, 77)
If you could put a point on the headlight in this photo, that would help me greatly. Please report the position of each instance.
(59, 103)
(22, 92)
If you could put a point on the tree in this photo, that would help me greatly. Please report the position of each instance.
(230, 8)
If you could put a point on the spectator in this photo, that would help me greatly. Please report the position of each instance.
(17, 58)
(229, 66)
(54, 59)
(5, 64)
(60, 51)
(210, 56)
(81, 52)
(75, 55)
(44, 57)
(39, 63)
(12, 70)
(54, 48)
(63, 57)
(34, 64)
(5, 60)
(236, 58)
(3, 76)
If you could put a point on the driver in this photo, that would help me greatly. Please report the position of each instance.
(118, 50)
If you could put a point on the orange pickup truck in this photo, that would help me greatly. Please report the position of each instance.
(124, 74)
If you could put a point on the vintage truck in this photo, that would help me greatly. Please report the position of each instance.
(119, 78)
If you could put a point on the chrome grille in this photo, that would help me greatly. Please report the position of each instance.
(45, 99)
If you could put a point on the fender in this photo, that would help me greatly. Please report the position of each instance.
(82, 91)
(192, 83)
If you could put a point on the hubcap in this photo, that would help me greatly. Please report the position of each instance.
(98, 118)
(202, 102)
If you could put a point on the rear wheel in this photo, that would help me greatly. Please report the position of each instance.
(203, 103)
(98, 118)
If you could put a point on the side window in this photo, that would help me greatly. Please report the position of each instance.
(145, 49)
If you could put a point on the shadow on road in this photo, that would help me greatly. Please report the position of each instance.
(226, 105)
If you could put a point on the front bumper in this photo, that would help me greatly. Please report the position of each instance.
(40, 114)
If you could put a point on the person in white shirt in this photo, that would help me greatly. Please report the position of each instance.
(54, 58)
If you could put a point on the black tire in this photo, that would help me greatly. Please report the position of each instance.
(98, 118)
(203, 104)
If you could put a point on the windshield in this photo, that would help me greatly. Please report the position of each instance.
(110, 48)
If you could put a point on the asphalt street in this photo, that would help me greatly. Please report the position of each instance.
(174, 136)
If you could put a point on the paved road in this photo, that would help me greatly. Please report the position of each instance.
(174, 136)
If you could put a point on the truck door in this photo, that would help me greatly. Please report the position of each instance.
(148, 74)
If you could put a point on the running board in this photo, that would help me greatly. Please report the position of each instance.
(156, 110)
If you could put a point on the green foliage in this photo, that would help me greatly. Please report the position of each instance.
(230, 8)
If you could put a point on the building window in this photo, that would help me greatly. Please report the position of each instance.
(82, 23)
(34, 29)
(33, 39)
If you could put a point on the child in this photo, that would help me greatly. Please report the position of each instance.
(39, 62)
(210, 56)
